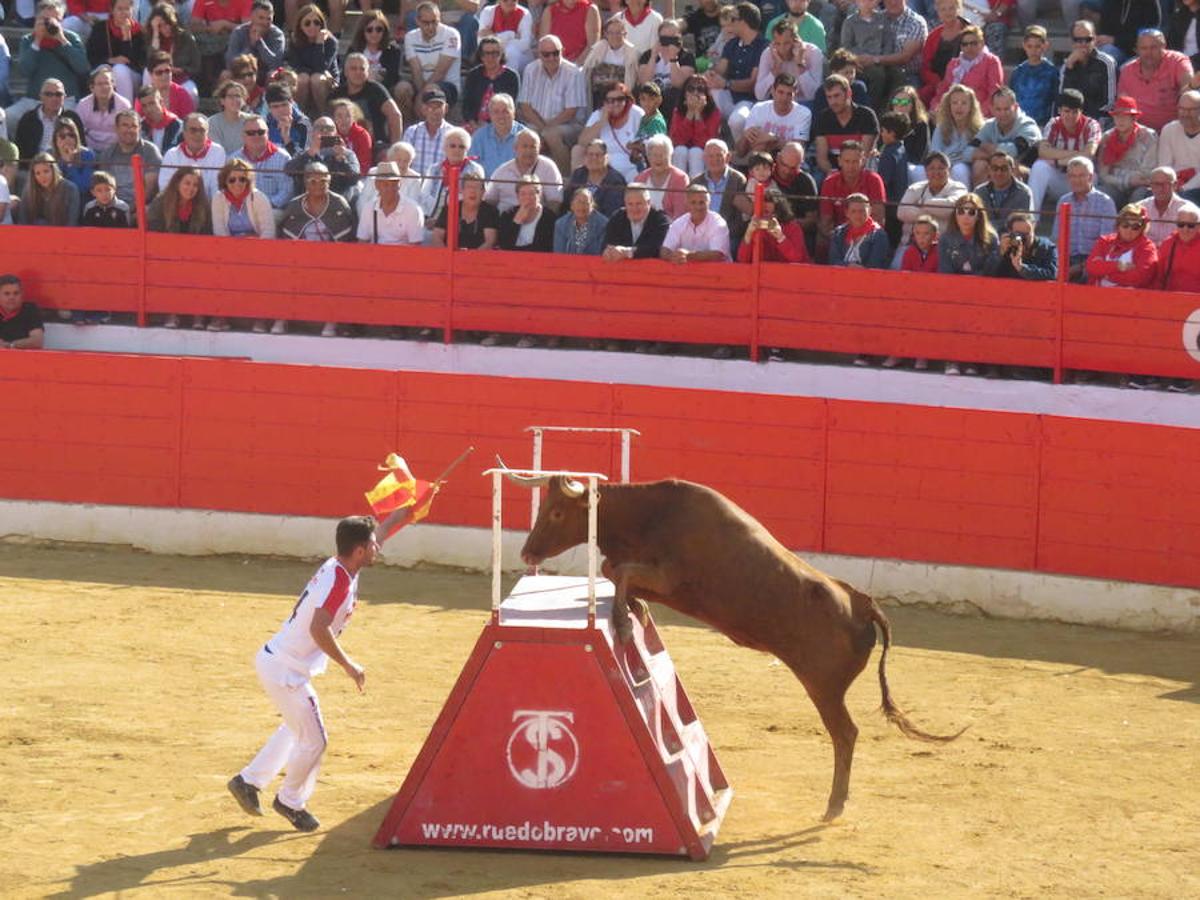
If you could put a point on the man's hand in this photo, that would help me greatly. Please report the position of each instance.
(613, 253)
(357, 674)
(254, 35)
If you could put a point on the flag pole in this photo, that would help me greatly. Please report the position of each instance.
(454, 465)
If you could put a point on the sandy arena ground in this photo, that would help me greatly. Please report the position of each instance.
(131, 699)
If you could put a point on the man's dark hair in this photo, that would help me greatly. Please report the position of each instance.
(262, 4)
(352, 532)
(785, 78)
(6, 280)
(750, 14)
(279, 93)
(896, 123)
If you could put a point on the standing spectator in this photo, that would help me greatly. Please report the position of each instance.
(580, 230)
(527, 163)
(160, 126)
(495, 143)
(959, 119)
(434, 55)
(638, 230)
(1087, 70)
(861, 241)
(378, 112)
(1156, 78)
(1121, 21)
(1011, 132)
(1091, 211)
(175, 97)
(723, 182)
(969, 247)
(488, 80)
(391, 218)
(779, 234)
(933, 198)
(98, 110)
(789, 55)
(49, 52)
(21, 325)
(552, 99)
(1179, 148)
(118, 159)
(164, 33)
(1025, 255)
(699, 234)
(435, 188)
(478, 221)
(667, 184)
(694, 123)
(105, 210)
(774, 122)
(212, 21)
(527, 226)
(49, 199)
(197, 150)
(269, 163)
(599, 179)
(511, 25)
(976, 67)
(319, 214)
(612, 58)
(733, 78)
(1163, 205)
(35, 129)
(1126, 258)
(346, 116)
(121, 45)
(852, 177)
(574, 23)
(1035, 81)
(261, 38)
(76, 161)
(225, 127)
(1070, 134)
(616, 123)
(1127, 154)
(842, 122)
(312, 53)
(942, 45)
(428, 137)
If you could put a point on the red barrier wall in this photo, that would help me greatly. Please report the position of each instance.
(1012, 490)
(804, 307)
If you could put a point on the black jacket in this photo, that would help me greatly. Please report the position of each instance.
(543, 232)
(1096, 79)
(654, 232)
(29, 132)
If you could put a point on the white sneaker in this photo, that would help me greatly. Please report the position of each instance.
(490, 340)
(953, 369)
(171, 321)
(891, 362)
(280, 327)
(920, 364)
(218, 324)
(198, 323)
(330, 330)
(259, 326)
(862, 361)
(526, 342)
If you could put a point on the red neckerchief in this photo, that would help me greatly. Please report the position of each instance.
(5, 316)
(235, 202)
(167, 119)
(1060, 127)
(267, 154)
(184, 210)
(640, 19)
(614, 125)
(857, 234)
(503, 22)
(134, 30)
(183, 148)
(1114, 148)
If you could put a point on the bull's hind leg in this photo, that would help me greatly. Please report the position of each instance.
(843, 732)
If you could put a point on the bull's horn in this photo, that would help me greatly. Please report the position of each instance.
(529, 481)
(572, 488)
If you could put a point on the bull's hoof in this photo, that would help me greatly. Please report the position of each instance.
(624, 631)
(641, 609)
(833, 811)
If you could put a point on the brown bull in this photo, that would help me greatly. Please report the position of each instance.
(691, 549)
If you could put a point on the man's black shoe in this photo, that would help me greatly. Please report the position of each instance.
(301, 819)
(245, 794)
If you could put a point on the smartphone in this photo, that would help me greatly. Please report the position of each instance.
(329, 140)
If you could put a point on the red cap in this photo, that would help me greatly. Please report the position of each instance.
(1127, 105)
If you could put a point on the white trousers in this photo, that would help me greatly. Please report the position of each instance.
(297, 745)
(690, 159)
(1045, 177)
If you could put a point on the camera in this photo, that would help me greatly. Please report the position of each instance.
(52, 29)
(1017, 240)
(329, 140)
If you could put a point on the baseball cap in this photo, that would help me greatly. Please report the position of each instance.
(433, 93)
(1071, 99)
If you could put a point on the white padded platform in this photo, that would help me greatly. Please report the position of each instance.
(557, 601)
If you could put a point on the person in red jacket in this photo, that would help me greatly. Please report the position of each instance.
(1127, 258)
(694, 123)
(1179, 270)
(346, 116)
(778, 232)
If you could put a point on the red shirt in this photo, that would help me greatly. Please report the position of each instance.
(1109, 251)
(360, 142)
(835, 189)
(1158, 94)
(212, 11)
(912, 261)
(570, 27)
(1179, 264)
(790, 250)
(685, 132)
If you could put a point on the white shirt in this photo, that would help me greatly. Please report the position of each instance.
(333, 589)
(410, 189)
(522, 38)
(1162, 226)
(711, 234)
(1177, 150)
(48, 123)
(6, 200)
(502, 193)
(794, 126)
(428, 53)
(549, 96)
(617, 139)
(207, 164)
(404, 225)
(919, 200)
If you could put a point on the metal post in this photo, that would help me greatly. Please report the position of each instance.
(626, 437)
(452, 217)
(1064, 273)
(139, 203)
(496, 546)
(535, 498)
(593, 551)
(756, 261)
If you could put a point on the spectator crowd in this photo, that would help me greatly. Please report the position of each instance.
(922, 136)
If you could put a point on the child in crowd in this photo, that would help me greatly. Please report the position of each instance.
(106, 209)
(892, 167)
(728, 21)
(649, 98)
(921, 255)
(1035, 81)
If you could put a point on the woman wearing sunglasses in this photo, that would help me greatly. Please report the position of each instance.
(969, 247)
(616, 123)
(1127, 257)
(976, 67)
(373, 39)
(312, 52)
(694, 123)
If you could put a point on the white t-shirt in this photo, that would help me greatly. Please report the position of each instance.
(795, 126)
(333, 589)
(618, 139)
(6, 199)
(445, 42)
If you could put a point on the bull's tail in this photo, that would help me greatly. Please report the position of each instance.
(894, 713)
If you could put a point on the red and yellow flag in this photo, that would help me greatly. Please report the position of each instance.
(398, 489)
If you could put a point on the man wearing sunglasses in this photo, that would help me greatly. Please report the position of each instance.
(1087, 70)
(269, 162)
(259, 36)
(35, 130)
(553, 99)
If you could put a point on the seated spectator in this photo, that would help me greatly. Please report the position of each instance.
(336, 10)
(510, 25)
(580, 231)
(616, 123)
(1179, 148)
(605, 184)
(98, 110)
(240, 209)
(1091, 211)
(649, 99)
(76, 162)
(391, 218)
(287, 126)
(212, 21)
(699, 235)
(723, 182)
(575, 24)
(934, 198)
(1183, 30)
(528, 225)
(435, 189)
(852, 177)
(552, 100)
(969, 247)
(778, 233)
(921, 253)
(319, 214)
(941, 46)
(806, 25)
(401, 154)
(428, 136)
(49, 199)
(976, 67)
(712, 27)
(844, 63)
(182, 206)
(244, 71)
(120, 44)
(789, 176)
(106, 209)
(385, 57)
(35, 129)
(1070, 134)
(733, 78)
(610, 59)
(694, 123)
(901, 59)
(1120, 22)
(160, 126)
(260, 38)
(1025, 255)
(268, 162)
(376, 110)
(959, 119)
(667, 183)
(347, 120)
(326, 146)
(494, 141)
(865, 33)
(433, 52)
(1127, 154)
(788, 54)
(21, 325)
(50, 52)
(490, 79)
(225, 127)
(1011, 132)
(175, 97)
(843, 121)
(313, 53)
(1035, 81)
(196, 149)
(1087, 70)
(503, 185)
(1156, 78)
(861, 241)
(774, 122)
(118, 159)
(1163, 205)
(667, 66)
(166, 34)
(1179, 254)
(8, 174)
(478, 220)
(637, 231)
(1126, 258)
(907, 103)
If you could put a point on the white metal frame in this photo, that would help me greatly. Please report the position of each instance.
(627, 435)
(593, 480)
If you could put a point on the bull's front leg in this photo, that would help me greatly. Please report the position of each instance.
(629, 579)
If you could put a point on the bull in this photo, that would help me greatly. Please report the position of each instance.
(690, 548)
